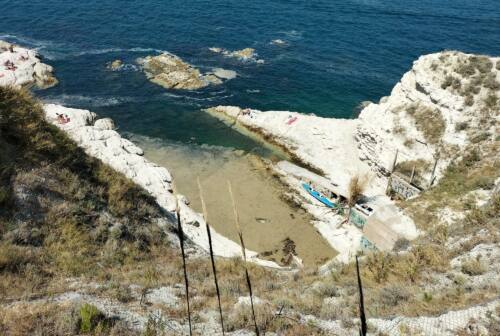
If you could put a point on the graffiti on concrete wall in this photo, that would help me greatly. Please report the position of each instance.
(403, 188)
(357, 218)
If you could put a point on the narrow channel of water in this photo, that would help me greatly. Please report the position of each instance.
(266, 219)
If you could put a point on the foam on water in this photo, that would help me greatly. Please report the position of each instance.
(80, 100)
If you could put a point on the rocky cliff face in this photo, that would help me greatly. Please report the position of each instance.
(440, 106)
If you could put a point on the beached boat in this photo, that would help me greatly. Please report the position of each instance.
(318, 196)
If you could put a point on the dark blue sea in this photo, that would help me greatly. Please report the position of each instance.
(338, 53)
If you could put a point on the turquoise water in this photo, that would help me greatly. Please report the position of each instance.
(338, 53)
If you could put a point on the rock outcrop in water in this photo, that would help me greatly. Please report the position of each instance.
(172, 72)
(247, 54)
(99, 139)
(115, 65)
(23, 67)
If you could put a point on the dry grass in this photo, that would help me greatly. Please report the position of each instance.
(357, 185)
(420, 168)
(64, 214)
(93, 223)
(428, 121)
(473, 267)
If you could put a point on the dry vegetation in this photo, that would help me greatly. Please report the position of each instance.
(429, 121)
(64, 215)
(420, 168)
(471, 76)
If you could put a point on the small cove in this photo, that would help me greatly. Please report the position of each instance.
(266, 219)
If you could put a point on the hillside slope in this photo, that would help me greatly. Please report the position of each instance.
(84, 250)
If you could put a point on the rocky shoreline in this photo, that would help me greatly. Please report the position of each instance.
(418, 125)
(98, 138)
(339, 149)
(23, 67)
(332, 151)
(329, 160)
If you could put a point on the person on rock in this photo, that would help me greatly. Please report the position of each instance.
(9, 65)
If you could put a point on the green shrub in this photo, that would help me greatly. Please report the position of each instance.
(13, 258)
(456, 84)
(90, 318)
(471, 88)
(409, 143)
(491, 101)
(121, 292)
(427, 297)
(471, 158)
(484, 182)
(324, 290)
(401, 244)
(380, 265)
(71, 248)
(393, 295)
(480, 137)
(448, 80)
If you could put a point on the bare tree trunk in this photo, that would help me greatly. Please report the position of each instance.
(242, 244)
(362, 317)
(186, 281)
(214, 270)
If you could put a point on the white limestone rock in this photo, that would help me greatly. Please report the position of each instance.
(418, 121)
(104, 124)
(22, 67)
(389, 126)
(98, 140)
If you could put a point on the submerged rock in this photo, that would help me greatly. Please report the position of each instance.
(247, 54)
(172, 72)
(223, 73)
(279, 42)
(115, 65)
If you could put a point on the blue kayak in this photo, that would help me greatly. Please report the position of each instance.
(318, 196)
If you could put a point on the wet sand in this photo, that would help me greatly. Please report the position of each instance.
(266, 219)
